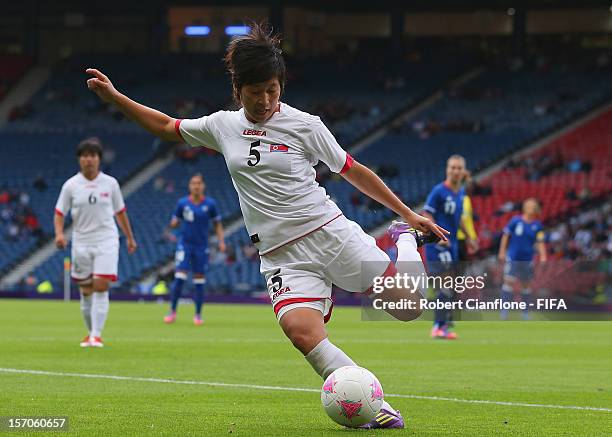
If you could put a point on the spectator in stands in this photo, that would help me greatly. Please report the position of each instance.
(40, 183)
(21, 221)
(158, 183)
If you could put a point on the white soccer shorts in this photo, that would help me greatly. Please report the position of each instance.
(301, 274)
(96, 260)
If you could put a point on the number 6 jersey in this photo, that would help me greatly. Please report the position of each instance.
(271, 165)
(94, 205)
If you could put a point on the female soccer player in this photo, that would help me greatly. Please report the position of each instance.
(305, 242)
(516, 250)
(94, 199)
(195, 211)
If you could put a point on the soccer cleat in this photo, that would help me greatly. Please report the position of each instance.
(85, 342)
(197, 320)
(171, 317)
(449, 335)
(398, 228)
(437, 333)
(385, 419)
(96, 342)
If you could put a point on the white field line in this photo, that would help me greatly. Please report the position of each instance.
(294, 389)
(337, 340)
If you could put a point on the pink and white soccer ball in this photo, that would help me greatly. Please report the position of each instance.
(352, 396)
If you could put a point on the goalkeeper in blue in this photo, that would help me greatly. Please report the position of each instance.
(194, 214)
(522, 235)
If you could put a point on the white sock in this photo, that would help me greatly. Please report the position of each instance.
(409, 260)
(325, 358)
(99, 311)
(86, 311)
(407, 248)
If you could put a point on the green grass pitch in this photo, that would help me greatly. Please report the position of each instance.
(546, 363)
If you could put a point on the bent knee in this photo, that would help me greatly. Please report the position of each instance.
(303, 341)
(304, 338)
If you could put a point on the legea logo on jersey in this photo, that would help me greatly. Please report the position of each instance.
(104, 194)
(278, 148)
(255, 132)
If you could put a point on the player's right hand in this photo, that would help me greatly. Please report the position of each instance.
(502, 257)
(101, 85)
(132, 246)
(60, 241)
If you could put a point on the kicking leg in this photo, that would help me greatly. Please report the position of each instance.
(305, 328)
(409, 263)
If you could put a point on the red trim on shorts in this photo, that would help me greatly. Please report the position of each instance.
(111, 278)
(286, 302)
(347, 164)
(327, 316)
(301, 236)
(58, 212)
(177, 125)
(293, 300)
(391, 271)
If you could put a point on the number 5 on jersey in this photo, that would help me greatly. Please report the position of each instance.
(254, 154)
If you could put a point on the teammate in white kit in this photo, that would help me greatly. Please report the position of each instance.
(94, 199)
(305, 242)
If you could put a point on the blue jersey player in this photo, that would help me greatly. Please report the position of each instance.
(444, 206)
(517, 249)
(194, 214)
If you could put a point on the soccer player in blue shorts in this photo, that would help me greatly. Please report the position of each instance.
(521, 235)
(444, 206)
(194, 213)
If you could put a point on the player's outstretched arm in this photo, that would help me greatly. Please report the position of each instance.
(368, 182)
(152, 120)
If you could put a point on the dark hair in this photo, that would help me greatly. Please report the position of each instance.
(197, 175)
(91, 145)
(254, 58)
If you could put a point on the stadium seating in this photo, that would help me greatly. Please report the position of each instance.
(65, 111)
(12, 67)
(590, 143)
(62, 111)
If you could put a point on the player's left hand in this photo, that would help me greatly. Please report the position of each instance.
(426, 226)
(221, 246)
(132, 246)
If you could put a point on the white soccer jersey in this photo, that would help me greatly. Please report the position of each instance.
(93, 205)
(271, 165)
